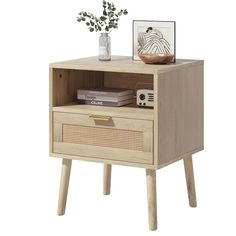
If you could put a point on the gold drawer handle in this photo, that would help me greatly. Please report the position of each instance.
(100, 117)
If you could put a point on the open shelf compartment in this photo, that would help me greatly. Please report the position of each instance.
(65, 83)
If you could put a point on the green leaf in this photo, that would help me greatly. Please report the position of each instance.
(107, 21)
(103, 18)
(111, 14)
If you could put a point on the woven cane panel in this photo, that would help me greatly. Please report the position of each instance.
(105, 137)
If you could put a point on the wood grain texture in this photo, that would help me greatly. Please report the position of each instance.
(63, 86)
(66, 82)
(57, 132)
(120, 64)
(50, 109)
(102, 160)
(189, 174)
(114, 122)
(132, 81)
(124, 140)
(118, 154)
(178, 158)
(64, 185)
(107, 179)
(151, 196)
(131, 112)
(180, 113)
(155, 123)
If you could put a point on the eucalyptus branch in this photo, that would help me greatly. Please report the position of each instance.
(106, 22)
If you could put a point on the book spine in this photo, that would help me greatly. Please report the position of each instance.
(97, 98)
(103, 93)
(98, 103)
(102, 98)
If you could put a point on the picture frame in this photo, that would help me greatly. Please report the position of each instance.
(152, 37)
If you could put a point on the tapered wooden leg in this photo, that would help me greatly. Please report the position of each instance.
(151, 196)
(106, 179)
(65, 178)
(188, 166)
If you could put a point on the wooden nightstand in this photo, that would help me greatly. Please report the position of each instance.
(149, 138)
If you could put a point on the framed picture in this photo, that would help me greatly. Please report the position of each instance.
(152, 37)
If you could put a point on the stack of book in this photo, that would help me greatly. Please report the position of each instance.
(115, 97)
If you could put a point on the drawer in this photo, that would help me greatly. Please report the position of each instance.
(103, 137)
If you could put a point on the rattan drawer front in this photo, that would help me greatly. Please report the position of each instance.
(118, 139)
(99, 136)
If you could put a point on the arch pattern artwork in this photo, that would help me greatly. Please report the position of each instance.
(152, 42)
(153, 37)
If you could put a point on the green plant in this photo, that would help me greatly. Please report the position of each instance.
(107, 22)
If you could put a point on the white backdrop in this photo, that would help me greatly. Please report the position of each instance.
(35, 33)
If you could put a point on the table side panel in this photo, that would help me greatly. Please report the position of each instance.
(180, 113)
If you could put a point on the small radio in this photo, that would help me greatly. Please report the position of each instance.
(145, 97)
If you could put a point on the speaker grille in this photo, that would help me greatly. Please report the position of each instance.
(105, 137)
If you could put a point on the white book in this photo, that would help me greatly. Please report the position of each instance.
(105, 92)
